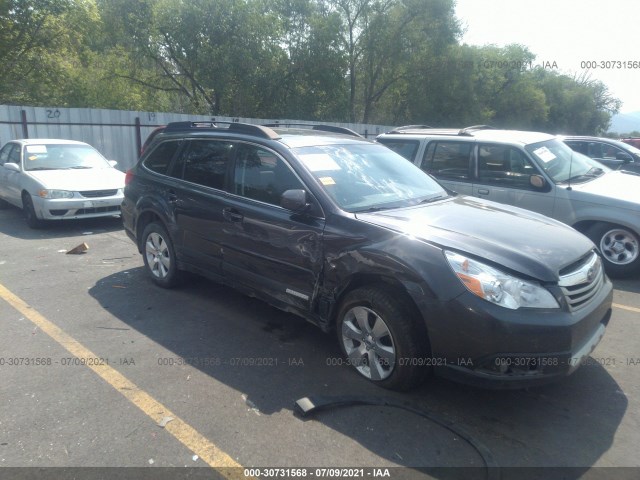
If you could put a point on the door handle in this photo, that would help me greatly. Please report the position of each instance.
(172, 197)
(483, 191)
(232, 215)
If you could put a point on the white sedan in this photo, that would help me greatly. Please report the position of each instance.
(59, 180)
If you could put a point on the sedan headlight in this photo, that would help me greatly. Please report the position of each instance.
(55, 194)
(499, 287)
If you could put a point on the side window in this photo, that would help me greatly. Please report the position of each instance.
(580, 147)
(406, 148)
(503, 165)
(594, 150)
(160, 159)
(609, 151)
(448, 159)
(5, 153)
(260, 175)
(205, 162)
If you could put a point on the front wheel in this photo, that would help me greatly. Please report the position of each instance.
(159, 256)
(381, 339)
(29, 212)
(620, 248)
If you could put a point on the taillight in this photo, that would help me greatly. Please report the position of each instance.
(128, 177)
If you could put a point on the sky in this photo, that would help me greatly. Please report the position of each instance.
(568, 32)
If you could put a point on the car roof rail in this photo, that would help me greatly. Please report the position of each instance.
(318, 127)
(248, 128)
(181, 126)
(473, 128)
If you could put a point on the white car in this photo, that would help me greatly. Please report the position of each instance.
(59, 180)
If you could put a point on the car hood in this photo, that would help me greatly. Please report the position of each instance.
(84, 179)
(522, 241)
(612, 186)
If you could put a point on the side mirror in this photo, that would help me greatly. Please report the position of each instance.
(537, 181)
(625, 157)
(12, 166)
(294, 200)
(113, 163)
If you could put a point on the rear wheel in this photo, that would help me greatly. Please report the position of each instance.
(29, 212)
(620, 248)
(381, 339)
(159, 256)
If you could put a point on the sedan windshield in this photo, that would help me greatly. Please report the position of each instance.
(563, 164)
(369, 177)
(62, 157)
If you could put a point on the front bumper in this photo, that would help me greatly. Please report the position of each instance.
(74, 208)
(479, 343)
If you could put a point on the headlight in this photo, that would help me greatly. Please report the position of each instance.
(55, 194)
(499, 287)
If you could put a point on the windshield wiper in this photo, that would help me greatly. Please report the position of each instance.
(594, 172)
(44, 168)
(77, 167)
(433, 199)
(370, 209)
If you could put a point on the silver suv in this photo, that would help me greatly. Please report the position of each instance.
(538, 172)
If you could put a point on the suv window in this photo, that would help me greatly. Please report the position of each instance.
(448, 159)
(504, 165)
(260, 175)
(204, 162)
(160, 159)
(406, 148)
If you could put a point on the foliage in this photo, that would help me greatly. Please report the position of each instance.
(369, 61)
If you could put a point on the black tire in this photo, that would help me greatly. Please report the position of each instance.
(159, 256)
(395, 359)
(29, 212)
(620, 248)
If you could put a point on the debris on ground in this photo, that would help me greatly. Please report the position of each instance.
(163, 423)
(82, 248)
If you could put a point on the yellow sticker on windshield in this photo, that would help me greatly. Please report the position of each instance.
(327, 181)
(33, 157)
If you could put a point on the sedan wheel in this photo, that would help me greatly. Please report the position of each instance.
(29, 212)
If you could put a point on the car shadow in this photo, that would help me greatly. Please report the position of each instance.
(12, 223)
(442, 424)
(631, 285)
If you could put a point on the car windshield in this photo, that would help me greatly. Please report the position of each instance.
(563, 164)
(369, 177)
(62, 157)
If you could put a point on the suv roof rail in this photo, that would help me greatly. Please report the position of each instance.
(319, 127)
(473, 128)
(409, 127)
(248, 128)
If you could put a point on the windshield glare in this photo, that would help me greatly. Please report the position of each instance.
(562, 163)
(61, 156)
(368, 177)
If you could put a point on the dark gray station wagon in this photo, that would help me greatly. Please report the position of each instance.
(348, 235)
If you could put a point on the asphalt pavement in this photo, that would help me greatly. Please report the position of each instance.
(100, 370)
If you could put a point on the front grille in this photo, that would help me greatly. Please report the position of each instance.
(87, 211)
(583, 282)
(99, 193)
(58, 213)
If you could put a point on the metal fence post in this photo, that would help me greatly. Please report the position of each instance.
(25, 128)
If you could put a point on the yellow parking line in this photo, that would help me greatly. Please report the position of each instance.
(625, 307)
(181, 430)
